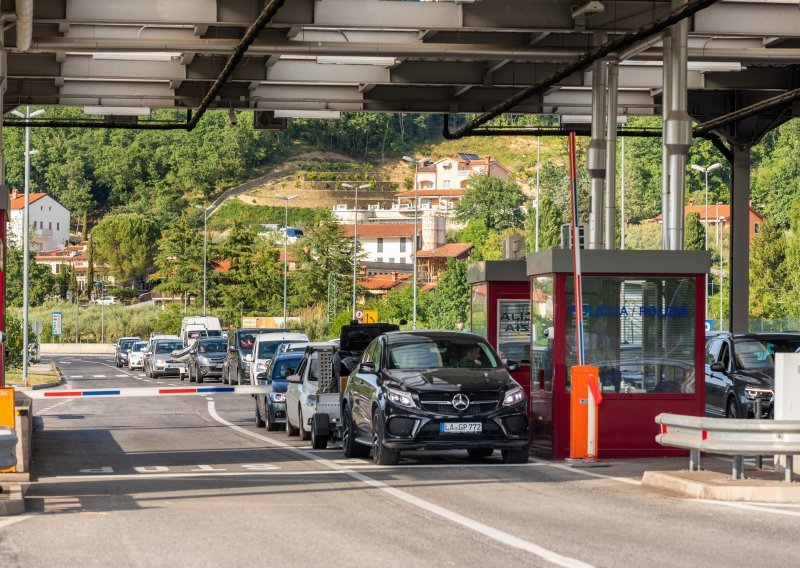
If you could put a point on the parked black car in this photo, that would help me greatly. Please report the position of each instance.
(271, 407)
(740, 369)
(205, 359)
(122, 349)
(433, 390)
(236, 368)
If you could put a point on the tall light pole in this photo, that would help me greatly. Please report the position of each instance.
(205, 250)
(622, 189)
(286, 199)
(26, 238)
(355, 240)
(710, 168)
(411, 160)
(538, 170)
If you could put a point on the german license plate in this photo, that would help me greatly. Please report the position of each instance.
(461, 427)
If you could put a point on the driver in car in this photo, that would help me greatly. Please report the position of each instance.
(472, 357)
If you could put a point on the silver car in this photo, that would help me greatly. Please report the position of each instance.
(159, 358)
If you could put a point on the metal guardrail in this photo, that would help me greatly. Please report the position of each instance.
(732, 437)
(8, 448)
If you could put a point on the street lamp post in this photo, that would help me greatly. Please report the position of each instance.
(710, 168)
(26, 239)
(538, 170)
(411, 160)
(286, 199)
(355, 239)
(205, 251)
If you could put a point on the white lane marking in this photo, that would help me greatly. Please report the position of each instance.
(53, 407)
(13, 520)
(99, 376)
(75, 377)
(486, 530)
(121, 376)
(127, 476)
(589, 473)
(748, 507)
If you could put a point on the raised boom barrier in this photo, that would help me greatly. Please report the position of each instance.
(147, 391)
(732, 437)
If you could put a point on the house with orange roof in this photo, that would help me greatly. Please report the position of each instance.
(719, 214)
(433, 262)
(385, 242)
(382, 284)
(47, 218)
(455, 172)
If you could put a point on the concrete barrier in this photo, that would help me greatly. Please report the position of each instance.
(8, 445)
(76, 349)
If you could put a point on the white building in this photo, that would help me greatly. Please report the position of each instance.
(393, 242)
(49, 221)
(455, 172)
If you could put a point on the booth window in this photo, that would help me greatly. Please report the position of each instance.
(640, 332)
(542, 333)
(514, 330)
(478, 312)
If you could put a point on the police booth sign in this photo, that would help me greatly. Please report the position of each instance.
(514, 330)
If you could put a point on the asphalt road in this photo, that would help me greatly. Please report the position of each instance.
(190, 481)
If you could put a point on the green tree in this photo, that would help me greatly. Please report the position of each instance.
(68, 183)
(476, 234)
(497, 203)
(324, 252)
(41, 282)
(644, 236)
(694, 236)
(125, 244)
(768, 272)
(492, 249)
(449, 303)
(179, 261)
(551, 217)
(776, 178)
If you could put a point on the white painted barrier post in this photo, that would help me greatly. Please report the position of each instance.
(786, 402)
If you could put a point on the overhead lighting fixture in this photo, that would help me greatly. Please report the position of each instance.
(714, 66)
(319, 114)
(585, 119)
(356, 60)
(117, 111)
(136, 56)
(591, 7)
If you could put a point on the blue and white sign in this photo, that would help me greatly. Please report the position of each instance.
(57, 319)
(709, 325)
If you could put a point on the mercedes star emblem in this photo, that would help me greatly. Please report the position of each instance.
(460, 402)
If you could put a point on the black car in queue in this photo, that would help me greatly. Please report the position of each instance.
(205, 359)
(740, 370)
(236, 369)
(433, 390)
(271, 407)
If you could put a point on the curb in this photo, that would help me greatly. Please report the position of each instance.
(61, 381)
(15, 503)
(720, 487)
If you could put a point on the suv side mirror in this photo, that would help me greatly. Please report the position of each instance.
(293, 378)
(368, 367)
(717, 367)
(512, 365)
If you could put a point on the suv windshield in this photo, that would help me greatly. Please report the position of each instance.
(758, 354)
(431, 353)
(212, 347)
(168, 346)
(267, 349)
(126, 344)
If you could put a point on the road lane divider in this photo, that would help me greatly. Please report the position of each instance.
(148, 392)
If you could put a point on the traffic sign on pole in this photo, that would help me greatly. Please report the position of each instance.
(57, 321)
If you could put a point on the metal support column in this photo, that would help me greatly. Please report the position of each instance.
(610, 206)
(678, 130)
(665, 108)
(596, 154)
(739, 275)
(4, 208)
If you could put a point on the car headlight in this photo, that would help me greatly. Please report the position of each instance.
(277, 397)
(159, 363)
(514, 396)
(753, 393)
(204, 360)
(400, 398)
(261, 367)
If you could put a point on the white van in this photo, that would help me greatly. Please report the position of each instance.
(200, 326)
(265, 346)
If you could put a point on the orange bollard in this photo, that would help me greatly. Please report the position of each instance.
(585, 397)
(7, 415)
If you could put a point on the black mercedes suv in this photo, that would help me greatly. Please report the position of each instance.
(740, 369)
(433, 390)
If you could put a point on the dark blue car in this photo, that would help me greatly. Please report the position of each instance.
(271, 407)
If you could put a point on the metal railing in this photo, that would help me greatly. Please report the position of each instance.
(731, 437)
(8, 448)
